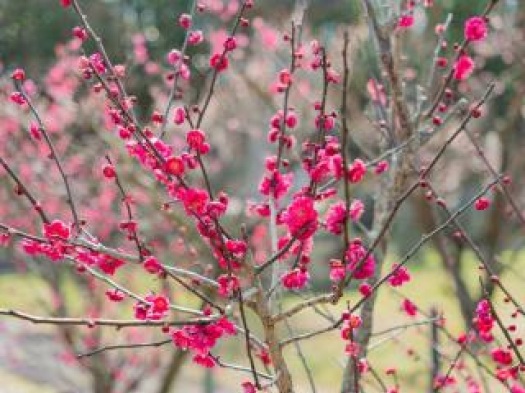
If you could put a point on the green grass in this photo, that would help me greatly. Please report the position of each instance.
(429, 287)
(12, 383)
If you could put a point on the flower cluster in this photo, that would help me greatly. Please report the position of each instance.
(200, 340)
(351, 324)
(295, 279)
(359, 261)
(155, 307)
(484, 320)
(399, 275)
(475, 30)
(301, 218)
(337, 215)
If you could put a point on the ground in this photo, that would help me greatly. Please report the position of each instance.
(28, 353)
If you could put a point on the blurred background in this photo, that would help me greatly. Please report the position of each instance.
(36, 35)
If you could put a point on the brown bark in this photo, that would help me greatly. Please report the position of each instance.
(390, 189)
(284, 378)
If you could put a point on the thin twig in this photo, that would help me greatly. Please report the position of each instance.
(123, 346)
(54, 156)
(199, 294)
(236, 367)
(247, 340)
(176, 77)
(23, 189)
(127, 204)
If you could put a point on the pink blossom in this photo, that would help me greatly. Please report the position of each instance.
(361, 269)
(34, 130)
(291, 120)
(195, 139)
(17, 98)
(337, 270)
(18, 74)
(482, 203)
(356, 171)
(502, 356)
(80, 33)
(185, 21)
(365, 289)
(357, 208)
(55, 251)
(108, 264)
(484, 320)
(194, 200)
(195, 37)
(159, 304)
(476, 29)
(108, 171)
(219, 62)
(96, 60)
(301, 218)
(335, 218)
(156, 308)
(180, 116)
(200, 339)
(376, 92)
(399, 276)
(406, 21)
(237, 248)
(230, 44)
(204, 360)
(322, 168)
(409, 308)
(381, 167)
(285, 77)
(174, 57)
(276, 183)
(228, 285)
(152, 265)
(295, 279)
(352, 349)
(57, 230)
(175, 166)
(5, 239)
(463, 67)
(248, 387)
(115, 295)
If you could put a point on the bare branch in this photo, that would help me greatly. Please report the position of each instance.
(92, 322)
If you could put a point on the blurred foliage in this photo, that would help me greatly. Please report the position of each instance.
(31, 36)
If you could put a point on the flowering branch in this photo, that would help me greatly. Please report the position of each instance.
(460, 52)
(176, 76)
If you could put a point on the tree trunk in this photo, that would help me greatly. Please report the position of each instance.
(284, 378)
